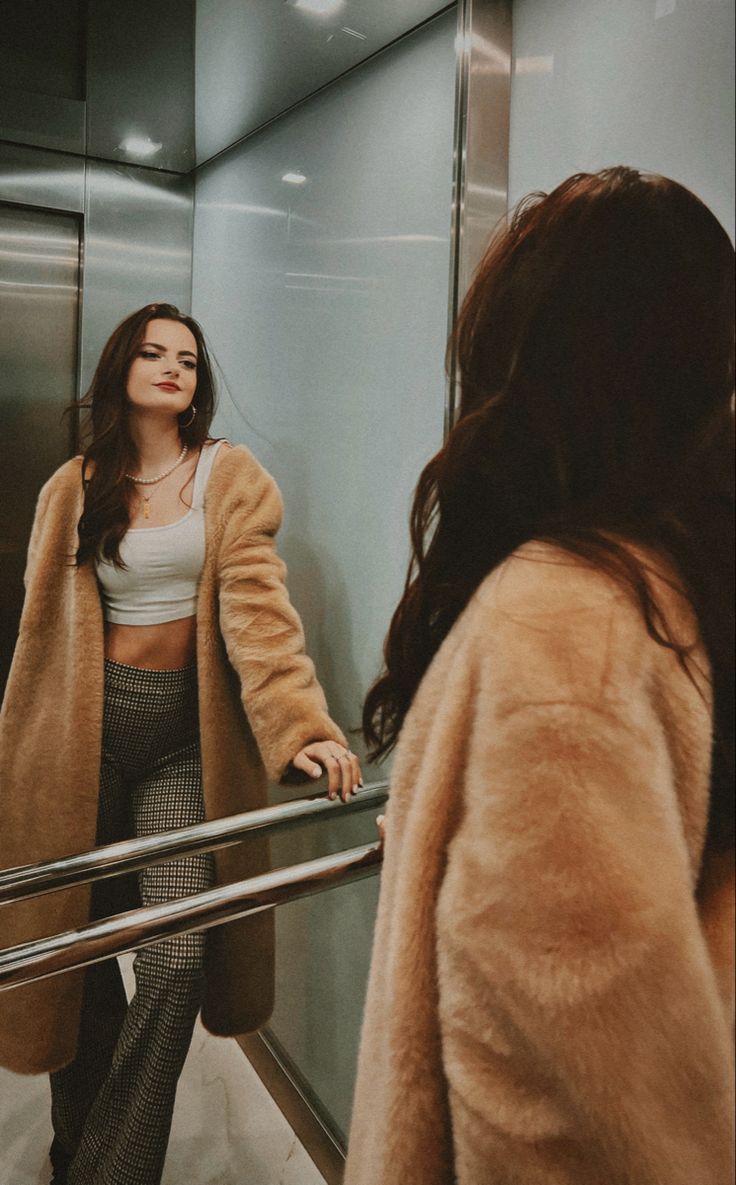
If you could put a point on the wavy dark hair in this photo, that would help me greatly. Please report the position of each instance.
(110, 451)
(595, 352)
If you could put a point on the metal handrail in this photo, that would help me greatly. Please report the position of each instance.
(130, 931)
(31, 880)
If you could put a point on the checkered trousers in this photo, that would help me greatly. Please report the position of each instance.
(112, 1107)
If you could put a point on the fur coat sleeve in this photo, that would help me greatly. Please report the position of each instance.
(569, 891)
(263, 635)
(546, 1004)
(37, 531)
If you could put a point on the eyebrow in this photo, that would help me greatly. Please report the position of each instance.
(156, 346)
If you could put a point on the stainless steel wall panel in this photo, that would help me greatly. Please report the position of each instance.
(43, 120)
(480, 197)
(140, 82)
(138, 243)
(137, 233)
(37, 178)
(39, 281)
(485, 49)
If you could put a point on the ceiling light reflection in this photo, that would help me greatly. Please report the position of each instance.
(320, 7)
(294, 178)
(141, 146)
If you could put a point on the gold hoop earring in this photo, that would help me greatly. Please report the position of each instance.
(191, 419)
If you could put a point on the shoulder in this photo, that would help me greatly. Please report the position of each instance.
(236, 464)
(547, 624)
(67, 476)
(64, 486)
(239, 483)
(544, 583)
(222, 446)
(541, 580)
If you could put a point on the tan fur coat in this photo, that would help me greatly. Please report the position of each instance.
(259, 705)
(550, 1001)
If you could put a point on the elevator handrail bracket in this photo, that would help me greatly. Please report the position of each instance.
(142, 927)
(31, 880)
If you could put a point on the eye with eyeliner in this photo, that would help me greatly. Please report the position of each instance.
(151, 355)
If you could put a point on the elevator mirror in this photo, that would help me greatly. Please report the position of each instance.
(284, 171)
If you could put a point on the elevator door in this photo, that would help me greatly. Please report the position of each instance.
(39, 297)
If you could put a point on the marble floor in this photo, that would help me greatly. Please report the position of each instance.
(227, 1129)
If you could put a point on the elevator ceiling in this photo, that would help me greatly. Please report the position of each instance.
(168, 85)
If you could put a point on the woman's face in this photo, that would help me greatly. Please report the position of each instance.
(163, 376)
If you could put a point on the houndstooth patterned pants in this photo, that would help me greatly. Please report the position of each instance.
(112, 1107)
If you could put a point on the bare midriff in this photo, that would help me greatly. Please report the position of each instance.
(164, 647)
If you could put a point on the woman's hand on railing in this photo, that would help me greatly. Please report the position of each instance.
(342, 767)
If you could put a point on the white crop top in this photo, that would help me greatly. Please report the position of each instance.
(162, 564)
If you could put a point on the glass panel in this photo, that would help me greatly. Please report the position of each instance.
(649, 85)
(325, 300)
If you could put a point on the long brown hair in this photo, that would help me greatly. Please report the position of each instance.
(596, 357)
(110, 452)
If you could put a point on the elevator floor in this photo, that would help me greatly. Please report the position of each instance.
(227, 1129)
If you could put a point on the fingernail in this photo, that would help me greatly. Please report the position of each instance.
(380, 818)
(355, 789)
(360, 783)
(316, 771)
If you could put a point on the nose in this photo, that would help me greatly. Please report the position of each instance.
(173, 368)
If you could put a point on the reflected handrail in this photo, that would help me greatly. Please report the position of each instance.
(31, 880)
(130, 931)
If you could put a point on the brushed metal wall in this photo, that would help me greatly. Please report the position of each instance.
(482, 124)
(39, 280)
(33, 177)
(136, 231)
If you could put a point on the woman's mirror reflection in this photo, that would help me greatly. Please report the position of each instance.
(159, 679)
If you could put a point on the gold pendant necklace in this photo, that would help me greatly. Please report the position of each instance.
(155, 481)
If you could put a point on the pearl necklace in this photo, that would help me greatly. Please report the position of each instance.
(151, 481)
